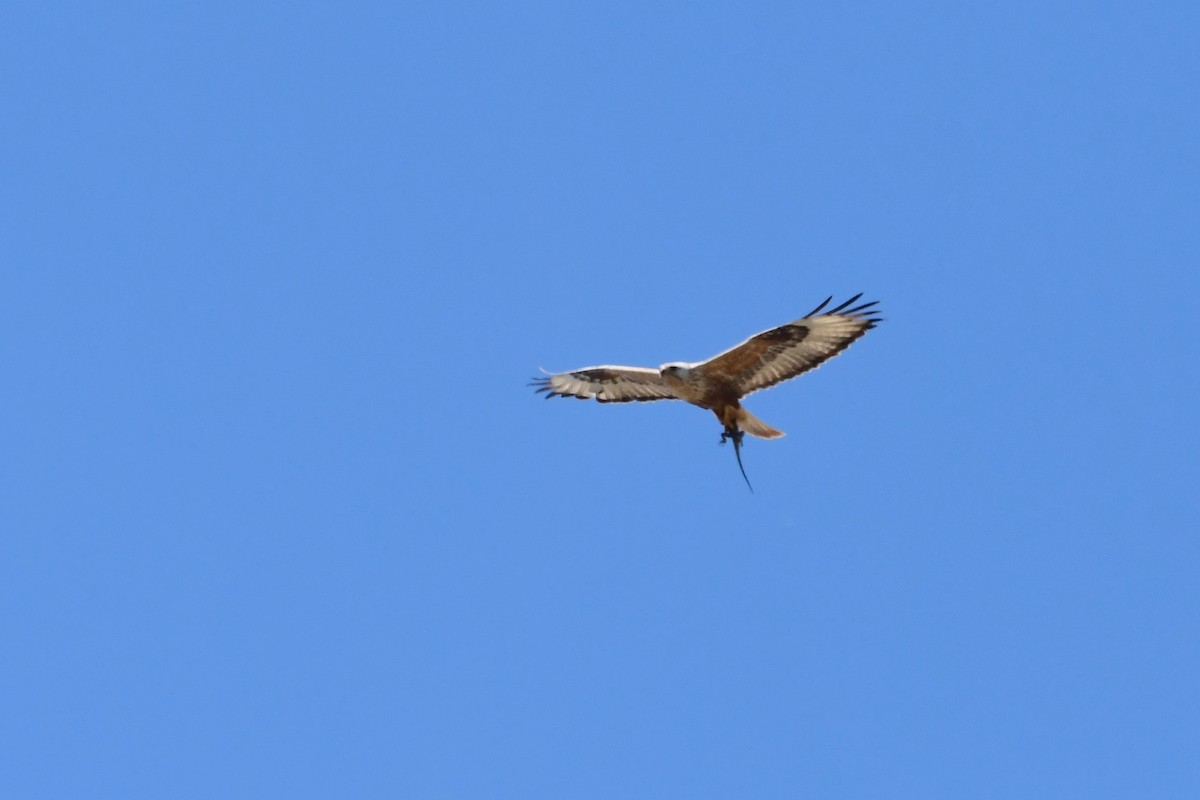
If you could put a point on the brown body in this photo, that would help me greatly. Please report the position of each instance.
(720, 397)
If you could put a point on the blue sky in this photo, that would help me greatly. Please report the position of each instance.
(282, 519)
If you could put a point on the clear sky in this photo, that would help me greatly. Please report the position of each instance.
(281, 517)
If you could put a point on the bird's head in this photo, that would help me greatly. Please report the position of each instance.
(676, 369)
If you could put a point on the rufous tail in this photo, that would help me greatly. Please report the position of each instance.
(755, 426)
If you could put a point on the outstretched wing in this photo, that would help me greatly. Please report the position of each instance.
(787, 351)
(607, 384)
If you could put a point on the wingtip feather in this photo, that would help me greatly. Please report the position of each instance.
(814, 312)
(846, 304)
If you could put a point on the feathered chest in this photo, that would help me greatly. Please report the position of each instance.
(703, 388)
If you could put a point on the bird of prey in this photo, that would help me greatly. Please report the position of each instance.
(720, 383)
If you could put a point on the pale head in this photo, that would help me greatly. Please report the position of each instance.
(677, 370)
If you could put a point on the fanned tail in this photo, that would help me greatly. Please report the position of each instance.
(755, 426)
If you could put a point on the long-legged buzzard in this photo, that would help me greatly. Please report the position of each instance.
(720, 383)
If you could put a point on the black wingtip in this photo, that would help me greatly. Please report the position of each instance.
(816, 310)
(867, 312)
(863, 307)
(542, 386)
(846, 304)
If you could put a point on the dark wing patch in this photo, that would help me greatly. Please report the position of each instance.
(790, 350)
